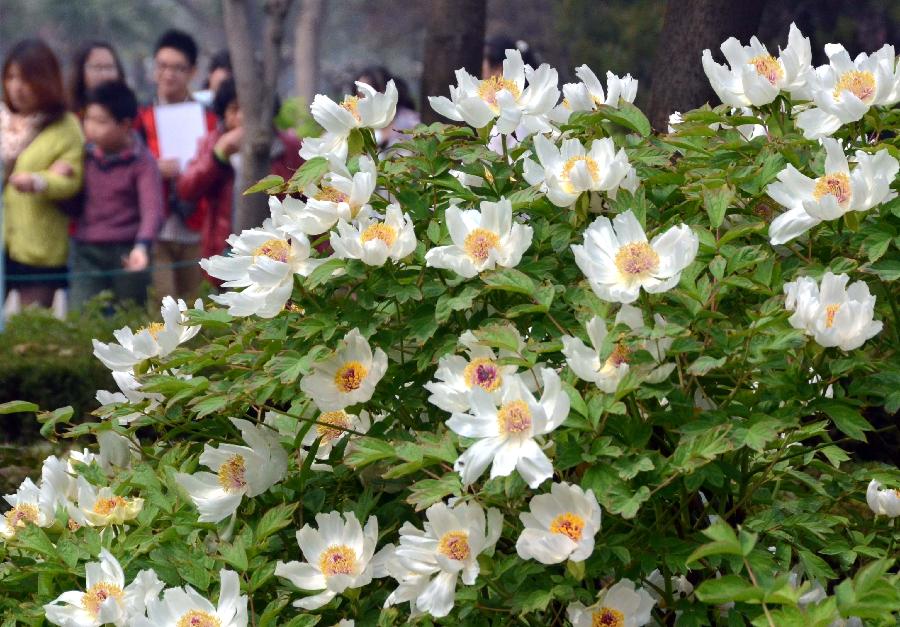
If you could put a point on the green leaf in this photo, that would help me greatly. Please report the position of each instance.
(500, 336)
(725, 542)
(627, 115)
(235, 554)
(705, 364)
(726, 589)
(273, 520)
(429, 491)
(716, 200)
(368, 451)
(846, 418)
(309, 172)
(448, 303)
(509, 280)
(323, 273)
(886, 269)
(32, 538)
(15, 407)
(270, 182)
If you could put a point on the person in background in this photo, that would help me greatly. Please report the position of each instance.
(95, 63)
(407, 117)
(219, 70)
(177, 247)
(42, 151)
(495, 52)
(122, 209)
(209, 178)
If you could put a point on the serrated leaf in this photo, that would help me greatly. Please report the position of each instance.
(509, 280)
(270, 182)
(847, 418)
(308, 173)
(429, 491)
(716, 200)
(273, 520)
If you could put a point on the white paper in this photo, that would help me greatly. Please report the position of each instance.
(179, 128)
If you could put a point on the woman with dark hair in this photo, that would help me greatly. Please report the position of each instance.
(95, 63)
(42, 151)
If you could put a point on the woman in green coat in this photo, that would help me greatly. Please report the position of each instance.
(42, 151)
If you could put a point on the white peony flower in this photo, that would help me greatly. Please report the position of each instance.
(338, 556)
(755, 77)
(263, 261)
(482, 240)
(341, 196)
(505, 435)
(428, 563)
(130, 393)
(504, 98)
(457, 375)
(371, 110)
(116, 452)
(845, 89)
(622, 605)
(106, 599)
(618, 261)
(330, 436)
(158, 339)
(560, 525)
(679, 585)
(186, 607)
(835, 315)
(101, 507)
(883, 501)
(810, 201)
(239, 471)
(374, 241)
(568, 171)
(29, 505)
(588, 94)
(348, 377)
(585, 362)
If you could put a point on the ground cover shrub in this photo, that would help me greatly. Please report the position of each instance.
(553, 370)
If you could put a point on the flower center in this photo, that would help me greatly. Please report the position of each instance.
(231, 474)
(276, 249)
(768, 67)
(618, 356)
(105, 506)
(568, 524)
(350, 376)
(380, 231)
(21, 514)
(566, 174)
(608, 617)
(339, 419)
(479, 244)
(153, 329)
(860, 84)
(837, 185)
(637, 260)
(351, 104)
(338, 560)
(331, 194)
(196, 618)
(97, 594)
(514, 417)
(484, 373)
(455, 545)
(830, 313)
(489, 88)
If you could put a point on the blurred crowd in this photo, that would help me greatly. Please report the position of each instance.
(92, 199)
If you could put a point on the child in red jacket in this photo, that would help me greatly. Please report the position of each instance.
(209, 177)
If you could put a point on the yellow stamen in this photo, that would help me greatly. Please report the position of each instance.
(607, 617)
(768, 67)
(153, 328)
(339, 419)
(350, 376)
(330, 194)
(836, 184)
(514, 417)
(860, 84)
(479, 244)
(565, 176)
(637, 260)
(380, 231)
(484, 373)
(22, 514)
(489, 88)
(197, 618)
(455, 545)
(568, 524)
(351, 104)
(830, 313)
(338, 560)
(618, 356)
(106, 505)
(96, 595)
(231, 474)
(276, 249)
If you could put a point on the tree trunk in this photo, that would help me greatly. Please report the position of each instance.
(257, 82)
(306, 49)
(454, 38)
(690, 26)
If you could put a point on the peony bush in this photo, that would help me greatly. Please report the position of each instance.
(542, 367)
